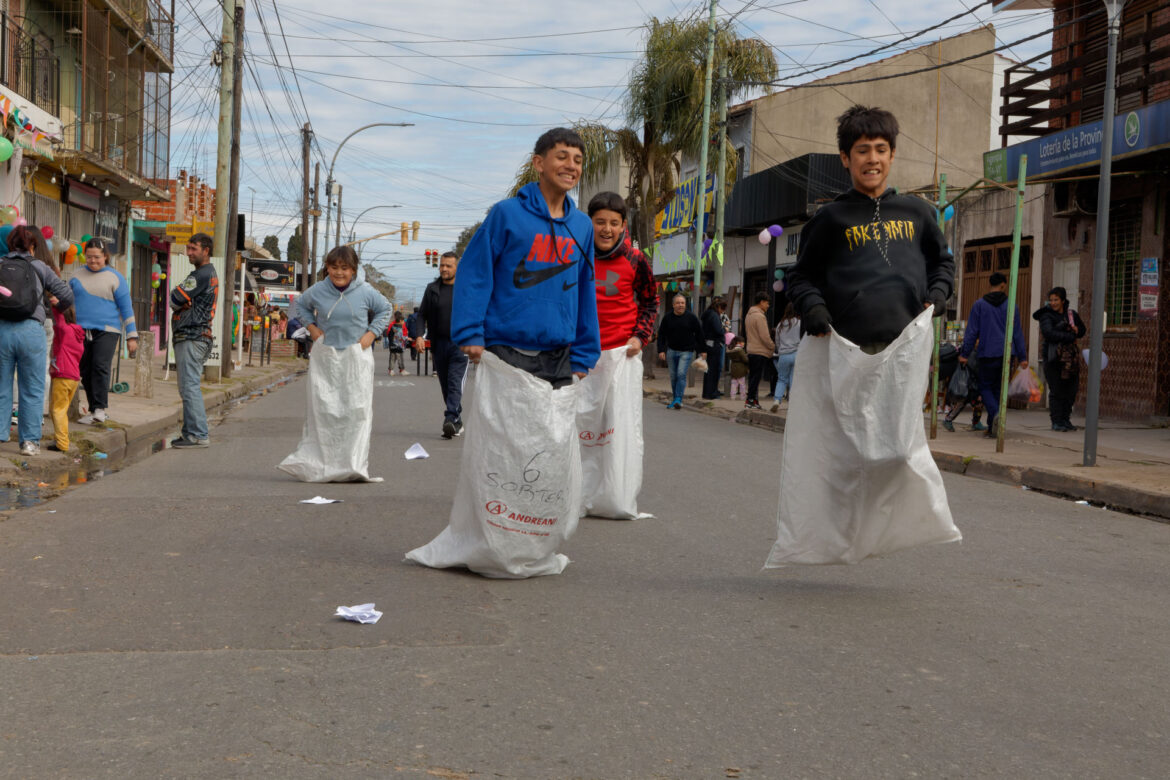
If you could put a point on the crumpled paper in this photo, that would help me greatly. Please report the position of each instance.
(416, 451)
(320, 500)
(361, 613)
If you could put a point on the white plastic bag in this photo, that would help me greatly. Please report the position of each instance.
(609, 427)
(519, 490)
(335, 442)
(857, 478)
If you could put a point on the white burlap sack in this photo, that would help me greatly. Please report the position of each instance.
(335, 442)
(857, 478)
(519, 490)
(609, 427)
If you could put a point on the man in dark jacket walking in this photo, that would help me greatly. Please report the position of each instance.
(450, 362)
(986, 327)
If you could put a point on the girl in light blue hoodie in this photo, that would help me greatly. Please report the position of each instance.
(344, 316)
(341, 308)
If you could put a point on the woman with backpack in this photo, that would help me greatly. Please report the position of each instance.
(23, 349)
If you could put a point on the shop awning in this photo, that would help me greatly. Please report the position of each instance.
(785, 194)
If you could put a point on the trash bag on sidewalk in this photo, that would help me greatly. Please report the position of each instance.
(857, 478)
(1025, 386)
(335, 442)
(609, 428)
(519, 491)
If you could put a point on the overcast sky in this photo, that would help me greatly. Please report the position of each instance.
(479, 81)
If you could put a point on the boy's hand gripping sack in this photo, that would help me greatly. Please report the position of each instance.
(519, 491)
(335, 442)
(857, 478)
(609, 427)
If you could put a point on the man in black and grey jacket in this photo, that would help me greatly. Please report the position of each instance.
(434, 317)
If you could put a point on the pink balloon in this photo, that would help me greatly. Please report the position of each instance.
(765, 237)
(20, 221)
(777, 286)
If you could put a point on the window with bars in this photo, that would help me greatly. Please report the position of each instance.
(1124, 259)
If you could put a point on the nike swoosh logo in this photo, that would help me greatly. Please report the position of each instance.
(523, 277)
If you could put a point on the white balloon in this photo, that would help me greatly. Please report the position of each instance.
(765, 237)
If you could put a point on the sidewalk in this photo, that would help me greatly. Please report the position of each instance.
(1133, 460)
(137, 425)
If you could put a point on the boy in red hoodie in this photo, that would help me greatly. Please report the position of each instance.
(65, 372)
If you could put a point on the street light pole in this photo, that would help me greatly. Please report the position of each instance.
(329, 178)
(353, 225)
(1100, 260)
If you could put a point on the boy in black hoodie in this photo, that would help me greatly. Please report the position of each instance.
(871, 260)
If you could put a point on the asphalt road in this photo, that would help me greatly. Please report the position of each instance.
(176, 620)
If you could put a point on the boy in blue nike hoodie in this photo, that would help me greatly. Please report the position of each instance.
(525, 286)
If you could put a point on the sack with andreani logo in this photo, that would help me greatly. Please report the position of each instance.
(335, 442)
(519, 490)
(609, 427)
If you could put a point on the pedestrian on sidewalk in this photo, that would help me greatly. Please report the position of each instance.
(396, 338)
(23, 348)
(193, 305)
(609, 412)
(65, 373)
(787, 342)
(680, 336)
(971, 398)
(712, 322)
(760, 346)
(102, 300)
(413, 331)
(986, 329)
(856, 481)
(525, 312)
(1060, 327)
(434, 323)
(738, 360)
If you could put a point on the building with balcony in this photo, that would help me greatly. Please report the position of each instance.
(1063, 121)
(85, 93)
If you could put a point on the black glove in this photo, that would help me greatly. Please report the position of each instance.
(939, 300)
(816, 320)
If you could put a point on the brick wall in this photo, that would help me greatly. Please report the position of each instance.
(191, 199)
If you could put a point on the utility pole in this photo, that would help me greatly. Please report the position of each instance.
(306, 139)
(1100, 259)
(704, 142)
(337, 242)
(227, 170)
(716, 251)
(316, 216)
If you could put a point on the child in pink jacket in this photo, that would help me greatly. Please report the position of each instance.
(65, 373)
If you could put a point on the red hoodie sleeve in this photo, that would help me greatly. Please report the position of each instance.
(646, 293)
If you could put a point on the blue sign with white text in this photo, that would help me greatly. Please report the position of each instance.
(1141, 130)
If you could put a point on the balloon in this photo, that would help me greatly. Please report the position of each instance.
(779, 273)
(765, 237)
(86, 238)
(5, 149)
(154, 284)
(60, 245)
(20, 221)
(8, 215)
(948, 214)
(156, 268)
(154, 277)
(162, 276)
(777, 285)
(47, 232)
(706, 246)
(776, 231)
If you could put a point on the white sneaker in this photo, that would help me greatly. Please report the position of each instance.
(99, 415)
(30, 448)
(86, 419)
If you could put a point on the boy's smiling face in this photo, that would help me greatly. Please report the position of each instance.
(560, 167)
(869, 163)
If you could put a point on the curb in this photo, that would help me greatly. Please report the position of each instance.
(1155, 506)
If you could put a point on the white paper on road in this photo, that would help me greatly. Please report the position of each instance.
(857, 478)
(335, 442)
(609, 429)
(360, 613)
(519, 491)
(416, 451)
(320, 500)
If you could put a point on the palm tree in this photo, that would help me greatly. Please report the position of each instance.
(664, 108)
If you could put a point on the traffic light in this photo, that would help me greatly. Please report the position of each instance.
(405, 235)
(414, 230)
